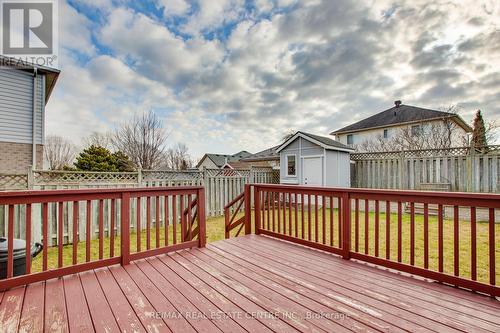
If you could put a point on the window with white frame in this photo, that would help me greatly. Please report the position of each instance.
(350, 139)
(291, 165)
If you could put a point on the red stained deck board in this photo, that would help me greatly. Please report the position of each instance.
(56, 317)
(202, 304)
(143, 309)
(181, 303)
(161, 304)
(10, 309)
(78, 313)
(245, 304)
(262, 287)
(315, 301)
(100, 311)
(269, 304)
(124, 314)
(225, 304)
(32, 316)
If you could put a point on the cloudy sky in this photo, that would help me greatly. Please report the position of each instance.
(227, 75)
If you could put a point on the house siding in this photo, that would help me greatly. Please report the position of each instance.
(16, 107)
(373, 134)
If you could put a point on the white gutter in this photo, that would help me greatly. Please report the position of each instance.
(34, 119)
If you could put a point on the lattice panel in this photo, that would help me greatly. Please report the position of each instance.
(171, 175)
(77, 177)
(458, 151)
(13, 182)
(226, 173)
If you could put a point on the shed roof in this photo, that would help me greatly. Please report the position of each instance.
(322, 141)
(401, 114)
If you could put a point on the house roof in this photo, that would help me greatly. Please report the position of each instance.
(265, 155)
(322, 141)
(221, 159)
(51, 74)
(401, 114)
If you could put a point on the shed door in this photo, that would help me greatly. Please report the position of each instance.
(313, 171)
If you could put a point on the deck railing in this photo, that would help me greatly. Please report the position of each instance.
(447, 237)
(168, 219)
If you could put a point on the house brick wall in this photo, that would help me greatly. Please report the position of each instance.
(17, 157)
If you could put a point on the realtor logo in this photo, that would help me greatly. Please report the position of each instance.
(29, 30)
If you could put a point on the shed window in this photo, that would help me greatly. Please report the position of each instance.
(386, 134)
(350, 139)
(291, 165)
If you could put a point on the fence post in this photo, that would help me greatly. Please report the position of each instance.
(402, 169)
(256, 209)
(139, 177)
(125, 229)
(248, 210)
(30, 178)
(202, 231)
(346, 226)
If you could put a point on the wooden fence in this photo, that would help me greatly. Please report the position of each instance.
(454, 169)
(221, 187)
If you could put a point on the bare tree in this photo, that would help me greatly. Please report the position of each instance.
(98, 139)
(178, 158)
(142, 139)
(59, 152)
(288, 134)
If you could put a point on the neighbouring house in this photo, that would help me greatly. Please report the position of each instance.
(411, 119)
(308, 159)
(265, 158)
(219, 161)
(24, 92)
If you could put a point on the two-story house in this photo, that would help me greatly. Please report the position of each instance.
(24, 92)
(402, 118)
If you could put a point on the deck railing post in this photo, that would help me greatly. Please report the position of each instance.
(346, 225)
(202, 234)
(248, 210)
(256, 208)
(125, 228)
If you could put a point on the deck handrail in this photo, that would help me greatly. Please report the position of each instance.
(163, 208)
(334, 220)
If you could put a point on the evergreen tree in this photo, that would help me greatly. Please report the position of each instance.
(123, 163)
(96, 158)
(479, 131)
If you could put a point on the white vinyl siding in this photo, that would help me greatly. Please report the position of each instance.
(16, 107)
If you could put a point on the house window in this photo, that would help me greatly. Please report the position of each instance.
(386, 134)
(290, 165)
(415, 130)
(350, 139)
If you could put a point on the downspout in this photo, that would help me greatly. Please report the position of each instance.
(35, 72)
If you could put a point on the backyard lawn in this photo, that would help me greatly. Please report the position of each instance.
(215, 231)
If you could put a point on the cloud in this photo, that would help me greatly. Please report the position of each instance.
(174, 7)
(225, 76)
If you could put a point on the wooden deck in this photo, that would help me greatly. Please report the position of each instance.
(251, 283)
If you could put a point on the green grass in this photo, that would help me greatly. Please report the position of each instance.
(215, 231)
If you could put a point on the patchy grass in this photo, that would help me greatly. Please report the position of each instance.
(215, 232)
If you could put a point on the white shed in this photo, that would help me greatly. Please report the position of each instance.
(308, 159)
